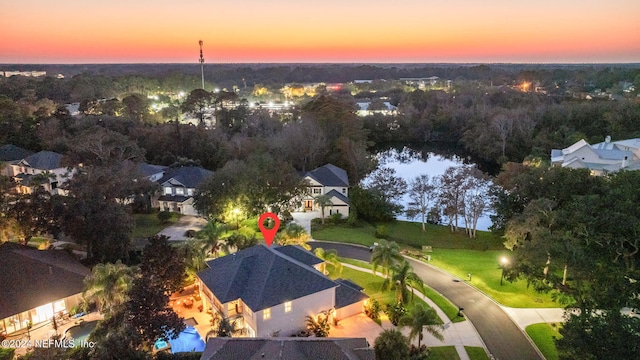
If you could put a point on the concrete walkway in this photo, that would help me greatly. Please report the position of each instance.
(459, 334)
(524, 317)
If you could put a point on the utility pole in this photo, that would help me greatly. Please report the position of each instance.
(202, 64)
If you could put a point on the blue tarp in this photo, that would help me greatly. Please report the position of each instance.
(188, 340)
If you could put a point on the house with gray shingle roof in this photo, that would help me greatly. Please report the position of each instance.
(601, 158)
(312, 348)
(327, 180)
(178, 187)
(43, 168)
(273, 289)
(36, 285)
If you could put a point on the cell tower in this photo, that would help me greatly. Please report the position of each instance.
(202, 64)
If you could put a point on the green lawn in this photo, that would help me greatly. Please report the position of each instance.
(409, 234)
(485, 275)
(476, 353)
(449, 309)
(443, 353)
(544, 335)
(372, 285)
(455, 253)
(147, 225)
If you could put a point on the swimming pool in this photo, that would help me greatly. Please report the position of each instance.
(187, 341)
(80, 333)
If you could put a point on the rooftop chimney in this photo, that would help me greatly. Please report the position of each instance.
(607, 139)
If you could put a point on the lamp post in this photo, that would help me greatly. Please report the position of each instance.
(503, 263)
(236, 211)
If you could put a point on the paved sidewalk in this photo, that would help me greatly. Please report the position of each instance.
(459, 334)
(528, 316)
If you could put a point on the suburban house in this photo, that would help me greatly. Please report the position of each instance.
(601, 158)
(42, 168)
(227, 348)
(364, 109)
(37, 285)
(327, 180)
(178, 187)
(271, 290)
(150, 171)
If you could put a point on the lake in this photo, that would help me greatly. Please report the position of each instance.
(409, 163)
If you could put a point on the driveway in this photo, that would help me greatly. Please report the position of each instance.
(503, 338)
(176, 232)
(304, 219)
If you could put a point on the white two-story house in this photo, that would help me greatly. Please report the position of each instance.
(327, 180)
(601, 158)
(43, 168)
(178, 187)
(268, 290)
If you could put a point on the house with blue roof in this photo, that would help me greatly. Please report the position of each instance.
(178, 187)
(327, 180)
(43, 168)
(268, 290)
(602, 158)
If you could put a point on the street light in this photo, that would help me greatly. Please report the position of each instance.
(503, 261)
(237, 212)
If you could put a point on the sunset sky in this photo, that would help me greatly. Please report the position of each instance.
(237, 31)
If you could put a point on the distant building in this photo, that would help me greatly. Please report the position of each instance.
(178, 187)
(602, 158)
(327, 180)
(364, 109)
(23, 73)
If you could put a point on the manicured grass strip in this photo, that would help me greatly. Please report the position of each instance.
(147, 225)
(372, 285)
(408, 234)
(443, 353)
(449, 309)
(485, 275)
(354, 262)
(544, 335)
(476, 353)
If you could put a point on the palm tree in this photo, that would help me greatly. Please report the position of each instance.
(403, 276)
(322, 201)
(108, 286)
(385, 254)
(194, 255)
(329, 257)
(422, 318)
(391, 344)
(210, 236)
(294, 234)
(226, 327)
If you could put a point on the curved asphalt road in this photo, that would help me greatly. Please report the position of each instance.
(502, 336)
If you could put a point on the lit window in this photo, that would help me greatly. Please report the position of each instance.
(190, 192)
(287, 306)
(179, 191)
(167, 191)
(266, 314)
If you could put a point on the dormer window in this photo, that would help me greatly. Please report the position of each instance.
(167, 190)
(179, 191)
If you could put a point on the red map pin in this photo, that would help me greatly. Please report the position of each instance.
(269, 234)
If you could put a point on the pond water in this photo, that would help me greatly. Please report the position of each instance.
(409, 163)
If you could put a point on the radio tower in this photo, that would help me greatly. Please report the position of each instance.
(202, 64)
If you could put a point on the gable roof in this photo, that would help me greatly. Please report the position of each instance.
(329, 175)
(31, 277)
(311, 348)
(10, 152)
(44, 160)
(262, 277)
(187, 176)
(340, 196)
